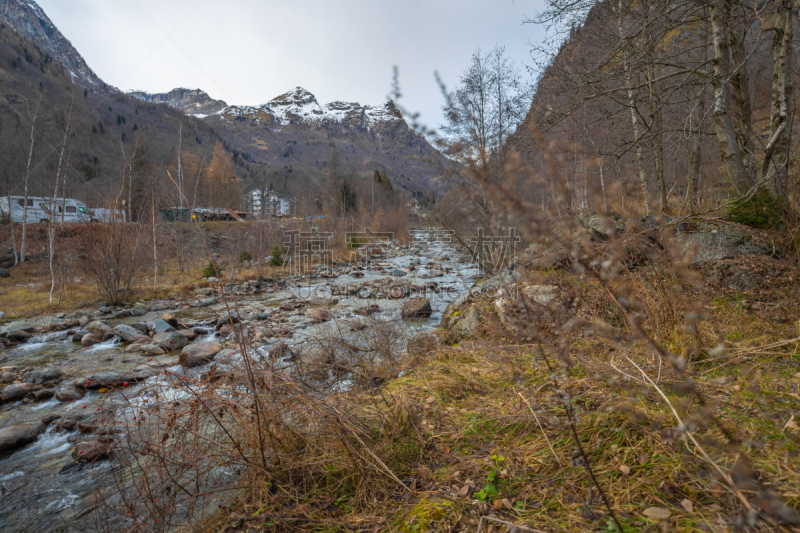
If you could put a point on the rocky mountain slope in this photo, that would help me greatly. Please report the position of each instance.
(30, 21)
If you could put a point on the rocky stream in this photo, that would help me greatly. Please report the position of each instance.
(63, 375)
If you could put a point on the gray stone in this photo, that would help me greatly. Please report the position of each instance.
(90, 339)
(100, 330)
(712, 241)
(397, 272)
(17, 391)
(91, 451)
(69, 394)
(161, 326)
(5, 273)
(141, 327)
(44, 394)
(111, 379)
(468, 322)
(84, 321)
(170, 340)
(204, 291)
(417, 308)
(152, 349)
(44, 376)
(16, 326)
(8, 377)
(18, 336)
(14, 437)
(199, 354)
(127, 333)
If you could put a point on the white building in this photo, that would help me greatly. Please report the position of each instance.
(268, 203)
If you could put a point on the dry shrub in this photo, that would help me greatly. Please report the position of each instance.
(113, 258)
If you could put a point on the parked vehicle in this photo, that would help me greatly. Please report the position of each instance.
(40, 209)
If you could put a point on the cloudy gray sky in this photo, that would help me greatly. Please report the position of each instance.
(249, 51)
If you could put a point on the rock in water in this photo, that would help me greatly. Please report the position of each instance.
(127, 333)
(199, 354)
(90, 339)
(170, 340)
(417, 308)
(44, 376)
(100, 330)
(18, 336)
(91, 451)
(162, 326)
(152, 349)
(169, 319)
(14, 437)
(69, 394)
(17, 391)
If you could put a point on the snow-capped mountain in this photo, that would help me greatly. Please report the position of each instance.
(191, 101)
(295, 106)
(29, 20)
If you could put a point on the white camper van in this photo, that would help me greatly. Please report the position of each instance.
(40, 209)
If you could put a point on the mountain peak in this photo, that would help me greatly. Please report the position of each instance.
(28, 19)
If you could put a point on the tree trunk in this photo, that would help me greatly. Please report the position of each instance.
(730, 152)
(53, 206)
(25, 194)
(634, 118)
(774, 168)
(741, 93)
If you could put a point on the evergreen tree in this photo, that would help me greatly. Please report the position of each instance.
(347, 198)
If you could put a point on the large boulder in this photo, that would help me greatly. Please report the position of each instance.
(127, 333)
(44, 376)
(17, 391)
(16, 326)
(417, 308)
(468, 322)
(170, 340)
(14, 437)
(711, 241)
(199, 354)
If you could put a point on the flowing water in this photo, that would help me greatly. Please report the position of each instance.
(43, 489)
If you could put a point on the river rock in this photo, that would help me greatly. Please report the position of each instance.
(162, 326)
(8, 377)
(397, 272)
(18, 336)
(14, 437)
(151, 349)
(170, 340)
(169, 319)
(44, 394)
(84, 321)
(319, 314)
(100, 330)
(77, 336)
(127, 333)
(91, 451)
(417, 308)
(204, 291)
(44, 376)
(16, 326)
(17, 391)
(69, 394)
(136, 347)
(141, 327)
(188, 333)
(228, 318)
(90, 339)
(199, 354)
(111, 379)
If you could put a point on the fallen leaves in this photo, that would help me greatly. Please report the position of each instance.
(687, 505)
(657, 513)
(625, 469)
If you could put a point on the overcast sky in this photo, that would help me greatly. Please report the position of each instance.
(249, 51)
